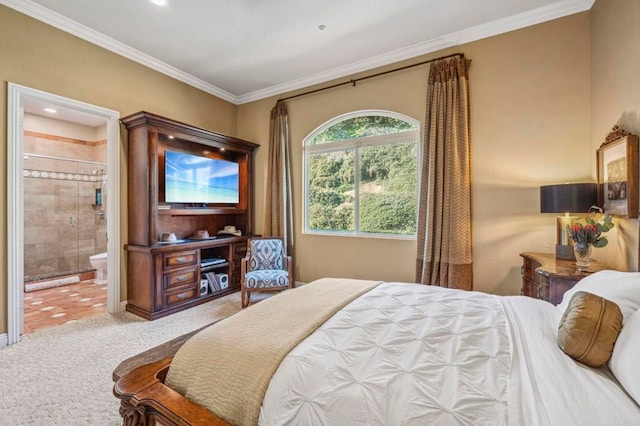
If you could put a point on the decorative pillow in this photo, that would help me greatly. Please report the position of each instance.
(624, 360)
(622, 288)
(589, 328)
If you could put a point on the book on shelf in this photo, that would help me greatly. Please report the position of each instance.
(214, 285)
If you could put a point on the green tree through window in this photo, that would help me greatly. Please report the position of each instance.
(361, 175)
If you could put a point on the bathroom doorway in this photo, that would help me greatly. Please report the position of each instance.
(63, 208)
(65, 250)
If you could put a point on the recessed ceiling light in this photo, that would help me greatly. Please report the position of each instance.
(50, 110)
(160, 2)
(171, 137)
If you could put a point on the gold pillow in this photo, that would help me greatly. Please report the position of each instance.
(589, 328)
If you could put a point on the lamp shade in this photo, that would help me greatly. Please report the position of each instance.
(568, 198)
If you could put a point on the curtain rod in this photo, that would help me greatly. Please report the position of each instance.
(354, 81)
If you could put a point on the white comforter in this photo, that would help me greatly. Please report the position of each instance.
(406, 354)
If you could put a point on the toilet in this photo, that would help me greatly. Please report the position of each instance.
(99, 261)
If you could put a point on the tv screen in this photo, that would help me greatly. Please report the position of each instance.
(195, 179)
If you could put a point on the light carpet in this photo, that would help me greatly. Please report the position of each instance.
(62, 375)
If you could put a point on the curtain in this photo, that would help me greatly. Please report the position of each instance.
(278, 220)
(444, 218)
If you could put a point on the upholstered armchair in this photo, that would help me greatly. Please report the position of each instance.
(266, 267)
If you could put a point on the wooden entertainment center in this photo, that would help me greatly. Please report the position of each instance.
(163, 278)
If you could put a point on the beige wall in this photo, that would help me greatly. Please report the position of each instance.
(615, 99)
(529, 126)
(39, 56)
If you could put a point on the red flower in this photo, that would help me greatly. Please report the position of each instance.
(591, 232)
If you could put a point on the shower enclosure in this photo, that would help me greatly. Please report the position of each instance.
(64, 215)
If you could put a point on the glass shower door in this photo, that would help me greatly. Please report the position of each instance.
(51, 226)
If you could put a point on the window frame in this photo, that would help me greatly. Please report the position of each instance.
(355, 144)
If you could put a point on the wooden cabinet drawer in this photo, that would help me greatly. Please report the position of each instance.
(530, 288)
(181, 296)
(239, 250)
(235, 275)
(529, 270)
(178, 278)
(183, 258)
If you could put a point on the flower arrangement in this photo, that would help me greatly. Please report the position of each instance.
(591, 232)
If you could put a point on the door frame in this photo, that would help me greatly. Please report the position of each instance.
(15, 200)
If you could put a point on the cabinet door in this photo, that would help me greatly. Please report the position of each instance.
(558, 287)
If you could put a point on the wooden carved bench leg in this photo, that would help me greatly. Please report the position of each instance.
(132, 415)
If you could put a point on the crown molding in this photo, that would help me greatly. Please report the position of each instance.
(70, 26)
(536, 16)
(515, 22)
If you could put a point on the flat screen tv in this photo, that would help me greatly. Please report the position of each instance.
(200, 180)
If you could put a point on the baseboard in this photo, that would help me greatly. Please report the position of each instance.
(299, 283)
(4, 339)
(123, 306)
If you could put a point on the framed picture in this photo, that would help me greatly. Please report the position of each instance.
(618, 176)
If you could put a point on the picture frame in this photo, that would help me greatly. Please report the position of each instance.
(617, 167)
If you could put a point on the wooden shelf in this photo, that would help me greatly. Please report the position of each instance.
(203, 211)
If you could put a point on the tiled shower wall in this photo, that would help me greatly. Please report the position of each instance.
(63, 226)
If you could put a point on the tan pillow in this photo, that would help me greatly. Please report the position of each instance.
(589, 328)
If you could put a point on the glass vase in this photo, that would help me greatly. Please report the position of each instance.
(583, 255)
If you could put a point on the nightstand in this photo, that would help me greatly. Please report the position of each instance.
(547, 278)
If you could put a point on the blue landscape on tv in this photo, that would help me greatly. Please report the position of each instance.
(194, 179)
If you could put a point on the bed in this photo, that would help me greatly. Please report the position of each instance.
(396, 354)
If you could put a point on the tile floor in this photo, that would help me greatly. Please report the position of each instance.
(58, 305)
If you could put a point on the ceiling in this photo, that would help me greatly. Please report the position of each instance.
(245, 50)
(61, 112)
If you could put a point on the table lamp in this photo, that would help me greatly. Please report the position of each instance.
(567, 198)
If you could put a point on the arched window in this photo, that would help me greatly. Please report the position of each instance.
(361, 174)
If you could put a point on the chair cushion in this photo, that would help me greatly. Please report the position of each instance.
(266, 279)
(266, 254)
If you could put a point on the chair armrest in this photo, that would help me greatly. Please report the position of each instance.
(289, 266)
(244, 263)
